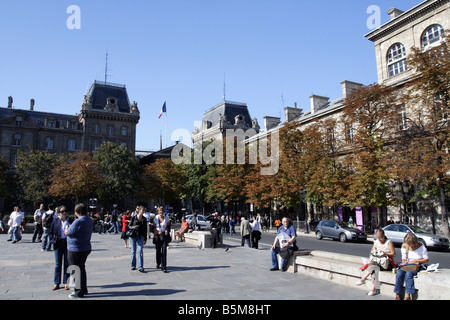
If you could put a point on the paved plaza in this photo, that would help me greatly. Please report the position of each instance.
(239, 273)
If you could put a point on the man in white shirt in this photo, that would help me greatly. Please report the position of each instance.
(16, 219)
(256, 231)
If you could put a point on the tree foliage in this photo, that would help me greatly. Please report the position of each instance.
(77, 177)
(33, 170)
(121, 171)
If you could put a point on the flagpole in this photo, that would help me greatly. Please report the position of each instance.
(166, 127)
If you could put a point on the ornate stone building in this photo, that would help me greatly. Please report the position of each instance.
(106, 115)
(422, 26)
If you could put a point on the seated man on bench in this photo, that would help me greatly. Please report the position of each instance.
(285, 244)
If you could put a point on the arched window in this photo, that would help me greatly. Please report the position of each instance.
(396, 59)
(432, 36)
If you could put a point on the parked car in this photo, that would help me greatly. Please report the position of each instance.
(201, 221)
(397, 232)
(339, 230)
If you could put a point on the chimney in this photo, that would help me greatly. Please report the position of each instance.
(317, 102)
(292, 113)
(394, 13)
(348, 87)
(32, 104)
(271, 122)
(10, 102)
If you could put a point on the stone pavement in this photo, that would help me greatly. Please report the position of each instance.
(241, 273)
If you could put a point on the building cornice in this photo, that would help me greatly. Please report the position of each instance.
(405, 18)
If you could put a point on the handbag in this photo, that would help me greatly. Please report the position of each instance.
(380, 259)
(132, 232)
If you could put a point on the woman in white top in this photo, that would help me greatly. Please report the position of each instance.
(161, 226)
(412, 253)
(385, 249)
(59, 240)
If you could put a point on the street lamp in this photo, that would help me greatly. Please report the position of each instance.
(400, 189)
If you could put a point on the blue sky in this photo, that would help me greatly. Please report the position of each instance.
(179, 51)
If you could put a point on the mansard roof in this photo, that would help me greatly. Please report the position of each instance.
(229, 109)
(101, 91)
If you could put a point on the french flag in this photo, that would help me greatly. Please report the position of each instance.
(163, 110)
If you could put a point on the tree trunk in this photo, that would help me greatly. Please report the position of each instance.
(444, 213)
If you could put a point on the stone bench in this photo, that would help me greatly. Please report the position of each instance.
(201, 239)
(291, 264)
(345, 269)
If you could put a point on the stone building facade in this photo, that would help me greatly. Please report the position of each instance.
(106, 115)
(422, 26)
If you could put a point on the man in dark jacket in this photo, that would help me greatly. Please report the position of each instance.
(215, 229)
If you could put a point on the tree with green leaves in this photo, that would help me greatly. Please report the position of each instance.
(164, 181)
(120, 170)
(33, 170)
(372, 111)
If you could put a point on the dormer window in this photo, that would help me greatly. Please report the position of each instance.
(396, 59)
(19, 121)
(50, 123)
(432, 36)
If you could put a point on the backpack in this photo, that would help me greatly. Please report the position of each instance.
(48, 220)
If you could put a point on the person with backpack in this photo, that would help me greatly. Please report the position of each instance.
(47, 220)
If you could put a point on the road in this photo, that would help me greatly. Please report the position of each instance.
(350, 248)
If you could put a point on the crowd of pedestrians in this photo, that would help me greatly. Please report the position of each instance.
(70, 240)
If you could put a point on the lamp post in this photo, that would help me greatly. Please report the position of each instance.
(400, 189)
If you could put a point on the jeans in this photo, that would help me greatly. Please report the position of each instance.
(46, 245)
(16, 236)
(275, 259)
(408, 278)
(115, 227)
(60, 260)
(139, 241)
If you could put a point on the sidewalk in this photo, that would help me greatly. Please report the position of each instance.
(241, 273)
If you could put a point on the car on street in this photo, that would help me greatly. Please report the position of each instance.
(202, 222)
(339, 230)
(397, 232)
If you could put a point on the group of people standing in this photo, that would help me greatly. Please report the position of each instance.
(136, 227)
(71, 241)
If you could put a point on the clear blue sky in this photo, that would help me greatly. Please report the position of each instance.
(179, 50)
